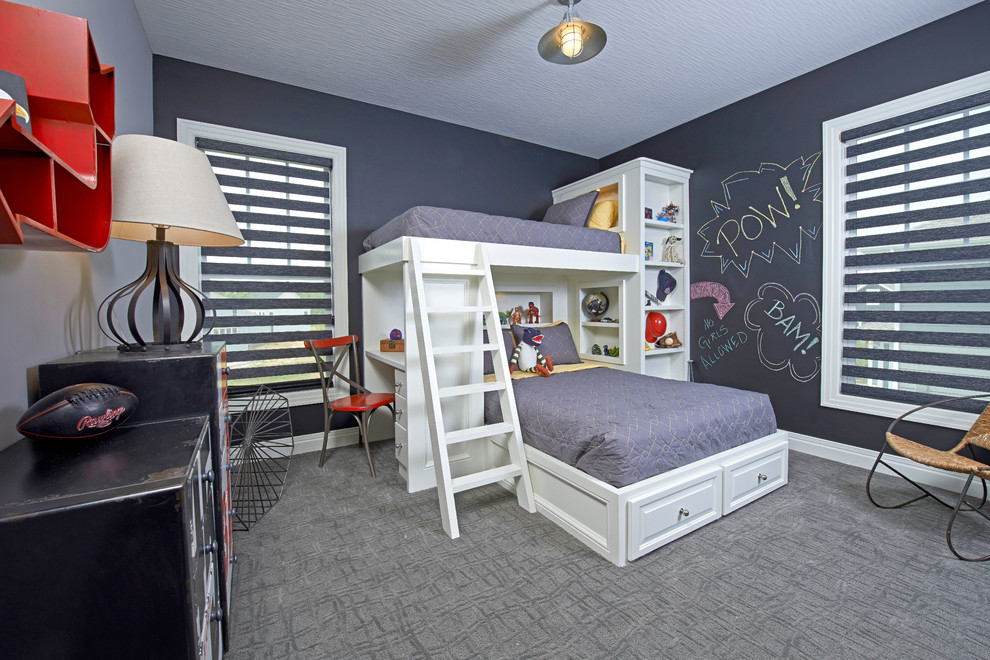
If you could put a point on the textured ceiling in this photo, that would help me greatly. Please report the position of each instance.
(475, 63)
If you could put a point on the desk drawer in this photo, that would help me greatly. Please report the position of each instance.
(656, 519)
(402, 445)
(752, 476)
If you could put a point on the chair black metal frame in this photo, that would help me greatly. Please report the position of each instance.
(951, 460)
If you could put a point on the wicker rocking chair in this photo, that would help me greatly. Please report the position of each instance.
(951, 460)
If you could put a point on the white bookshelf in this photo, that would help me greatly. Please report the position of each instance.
(638, 185)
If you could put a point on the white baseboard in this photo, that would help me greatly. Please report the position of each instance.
(864, 458)
(314, 441)
(339, 438)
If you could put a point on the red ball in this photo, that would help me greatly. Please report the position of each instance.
(656, 326)
(78, 411)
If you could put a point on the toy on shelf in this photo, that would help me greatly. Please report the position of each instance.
(55, 176)
(533, 313)
(648, 213)
(394, 343)
(596, 349)
(669, 213)
(671, 250)
(516, 315)
(648, 251)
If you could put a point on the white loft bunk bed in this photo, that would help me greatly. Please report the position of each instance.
(620, 523)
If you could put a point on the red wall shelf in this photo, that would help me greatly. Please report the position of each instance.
(55, 183)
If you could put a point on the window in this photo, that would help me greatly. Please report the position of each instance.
(287, 283)
(906, 299)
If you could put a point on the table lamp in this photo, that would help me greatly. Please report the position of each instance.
(166, 194)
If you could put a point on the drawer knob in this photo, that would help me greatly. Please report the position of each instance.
(684, 512)
(398, 414)
(398, 386)
(210, 547)
(760, 478)
(398, 446)
(216, 615)
(209, 477)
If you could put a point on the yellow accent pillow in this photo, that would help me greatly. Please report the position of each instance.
(604, 215)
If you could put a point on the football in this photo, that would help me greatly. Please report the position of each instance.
(78, 411)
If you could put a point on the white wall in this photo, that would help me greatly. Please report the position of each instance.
(48, 300)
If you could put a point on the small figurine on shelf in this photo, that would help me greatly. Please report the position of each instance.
(533, 314)
(648, 213)
(671, 251)
(614, 351)
(669, 213)
(395, 335)
(596, 349)
(648, 251)
(503, 317)
(517, 315)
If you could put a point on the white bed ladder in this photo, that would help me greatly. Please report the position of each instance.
(481, 301)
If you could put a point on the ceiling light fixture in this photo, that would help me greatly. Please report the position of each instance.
(573, 40)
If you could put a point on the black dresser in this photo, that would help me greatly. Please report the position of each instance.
(182, 382)
(108, 547)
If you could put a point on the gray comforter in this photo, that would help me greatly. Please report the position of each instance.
(434, 222)
(622, 427)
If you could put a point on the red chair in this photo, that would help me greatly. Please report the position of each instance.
(361, 405)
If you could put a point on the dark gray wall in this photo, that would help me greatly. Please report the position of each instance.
(781, 126)
(394, 159)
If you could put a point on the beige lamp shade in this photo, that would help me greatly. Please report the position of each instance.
(163, 183)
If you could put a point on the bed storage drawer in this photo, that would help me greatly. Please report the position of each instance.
(658, 518)
(752, 476)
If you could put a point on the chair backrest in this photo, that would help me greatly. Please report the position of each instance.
(979, 433)
(331, 366)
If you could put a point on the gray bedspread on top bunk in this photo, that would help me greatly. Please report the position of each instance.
(434, 222)
(623, 427)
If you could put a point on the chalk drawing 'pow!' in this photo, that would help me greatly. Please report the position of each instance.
(765, 211)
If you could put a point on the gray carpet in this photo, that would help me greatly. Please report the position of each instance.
(346, 566)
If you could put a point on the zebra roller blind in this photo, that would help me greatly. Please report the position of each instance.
(916, 257)
(275, 290)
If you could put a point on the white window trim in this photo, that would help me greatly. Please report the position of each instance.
(189, 257)
(833, 159)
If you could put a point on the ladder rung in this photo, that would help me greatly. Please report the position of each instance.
(485, 477)
(473, 388)
(460, 309)
(486, 431)
(468, 348)
(469, 270)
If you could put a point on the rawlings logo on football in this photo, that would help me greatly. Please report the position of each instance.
(100, 422)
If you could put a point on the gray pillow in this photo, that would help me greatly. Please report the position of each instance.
(574, 212)
(558, 344)
(509, 347)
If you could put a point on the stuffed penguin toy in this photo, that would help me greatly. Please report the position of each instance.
(527, 356)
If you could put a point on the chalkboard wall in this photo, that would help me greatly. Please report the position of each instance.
(756, 217)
